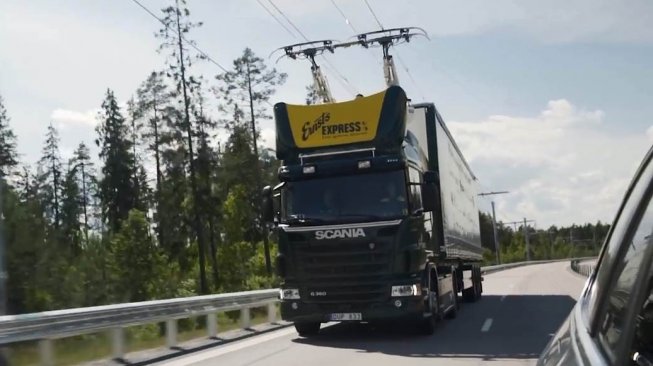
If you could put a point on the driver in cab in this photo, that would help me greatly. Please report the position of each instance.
(392, 201)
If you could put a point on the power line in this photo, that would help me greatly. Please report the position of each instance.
(289, 21)
(277, 19)
(347, 84)
(204, 54)
(344, 16)
(374, 14)
(410, 76)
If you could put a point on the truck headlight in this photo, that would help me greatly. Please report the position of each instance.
(289, 294)
(406, 290)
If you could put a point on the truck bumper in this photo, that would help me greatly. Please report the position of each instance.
(411, 308)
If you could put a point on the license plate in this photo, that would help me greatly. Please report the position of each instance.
(345, 316)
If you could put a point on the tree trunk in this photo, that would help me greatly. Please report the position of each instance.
(193, 181)
(159, 175)
(84, 203)
(264, 229)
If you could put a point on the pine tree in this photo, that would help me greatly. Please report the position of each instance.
(136, 262)
(85, 180)
(312, 95)
(8, 156)
(177, 26)
(207, 164)
(71, 211)
(50, 178)
(251, 83)
(140, 176)
(153, 99)
(118, 194)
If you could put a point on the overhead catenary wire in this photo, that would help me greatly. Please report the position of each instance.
(343, 80)
(374, 14)
(351, 25)
(189, 43)
(276, 19)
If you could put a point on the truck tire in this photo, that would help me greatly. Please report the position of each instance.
(306, 329)
(472, 294)
(454, 310)
(426, 325)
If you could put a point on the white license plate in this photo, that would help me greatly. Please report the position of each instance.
(345, 316)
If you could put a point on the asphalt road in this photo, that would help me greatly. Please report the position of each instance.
(520, 310)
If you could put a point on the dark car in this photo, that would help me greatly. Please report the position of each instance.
(612, 322)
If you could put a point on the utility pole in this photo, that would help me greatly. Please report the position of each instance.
(550, 245)
(528, 245)
(494, 224)
(3, 259)
(524, 223)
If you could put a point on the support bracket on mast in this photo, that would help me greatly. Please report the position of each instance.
(308, 50)
(386, 38)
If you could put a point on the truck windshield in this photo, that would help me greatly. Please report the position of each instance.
(360, 197)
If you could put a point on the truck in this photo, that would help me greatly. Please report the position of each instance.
(375, 214)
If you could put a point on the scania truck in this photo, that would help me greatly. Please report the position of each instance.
(375, 214)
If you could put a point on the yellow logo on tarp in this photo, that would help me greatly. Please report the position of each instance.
(337, 123)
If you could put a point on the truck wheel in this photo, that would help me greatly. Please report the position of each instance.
(426, 326)
(306, 329)
(454, 309)
(473, 293)
(469, 294)
(479, 284)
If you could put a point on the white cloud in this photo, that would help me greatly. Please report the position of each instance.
(66, 117)
(269, 136)
(649, 133)
(561, 166)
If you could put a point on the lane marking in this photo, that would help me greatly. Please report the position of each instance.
(503, 297)
(204, 356)
(486, 326)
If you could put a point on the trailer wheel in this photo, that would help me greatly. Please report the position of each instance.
(473, 293)
(306, 329)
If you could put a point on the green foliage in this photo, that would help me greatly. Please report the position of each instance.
(8, 155)
(136, 264)
(118, 193)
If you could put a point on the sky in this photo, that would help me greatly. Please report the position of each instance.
(550, 101)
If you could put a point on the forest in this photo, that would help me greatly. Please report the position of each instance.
(164, 211)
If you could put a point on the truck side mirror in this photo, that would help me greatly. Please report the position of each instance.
(430, 177)
(429, 197)
(268, 210)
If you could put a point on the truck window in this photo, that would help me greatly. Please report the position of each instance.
(360, 197)
(415, 180)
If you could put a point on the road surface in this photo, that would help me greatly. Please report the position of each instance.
(520, 310)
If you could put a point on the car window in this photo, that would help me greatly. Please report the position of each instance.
(642, 345)
(619, 296)
(600, 284)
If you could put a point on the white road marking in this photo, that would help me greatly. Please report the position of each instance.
(503, 297)
(486, 326)
(229, 348)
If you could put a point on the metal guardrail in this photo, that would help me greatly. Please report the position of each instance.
(501, 267)
(51, 325)
(582, 267)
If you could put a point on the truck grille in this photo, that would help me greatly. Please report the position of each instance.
(344, 271)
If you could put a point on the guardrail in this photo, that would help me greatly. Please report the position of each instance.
(48, 326)
(584, 269)
(501, 267)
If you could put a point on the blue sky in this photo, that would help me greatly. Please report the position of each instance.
(550, 100)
